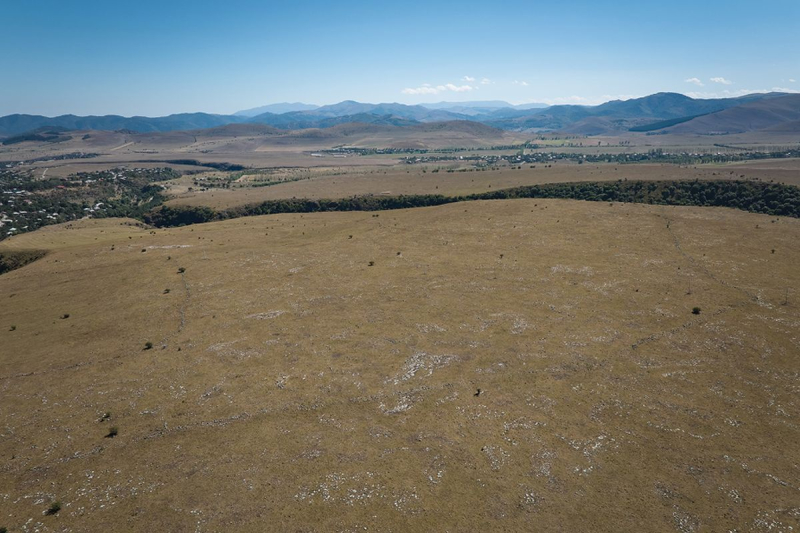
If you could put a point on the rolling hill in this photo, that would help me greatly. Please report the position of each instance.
(781, 114)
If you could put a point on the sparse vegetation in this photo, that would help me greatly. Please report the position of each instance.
(54, 508)
(113, 431)
(148, 345)
(695, 310)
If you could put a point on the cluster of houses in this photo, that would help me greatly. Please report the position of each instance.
(12, 217)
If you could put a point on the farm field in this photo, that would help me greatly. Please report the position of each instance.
(530, 364)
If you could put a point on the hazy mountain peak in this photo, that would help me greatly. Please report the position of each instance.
(277, 109)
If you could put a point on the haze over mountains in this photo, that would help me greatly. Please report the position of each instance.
(283, 107)
(661, 112)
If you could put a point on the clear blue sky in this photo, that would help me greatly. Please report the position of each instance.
(155, 58)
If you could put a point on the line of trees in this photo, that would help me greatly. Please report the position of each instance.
(757, 197)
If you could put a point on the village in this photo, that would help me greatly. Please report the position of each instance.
(28, 203)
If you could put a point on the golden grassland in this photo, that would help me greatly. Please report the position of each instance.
(410, 179)
(319, 372)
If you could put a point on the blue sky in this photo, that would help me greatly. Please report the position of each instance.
(155, 58)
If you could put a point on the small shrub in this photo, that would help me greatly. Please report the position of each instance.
(105, 416)
(54, 508)
(65, 316)
(148, 345)
(695, 310)
(166, 291)
(372, 263)
(181, 270)
(12, 328)
(112, 432)
(3, 530)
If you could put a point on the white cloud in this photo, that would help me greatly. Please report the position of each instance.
(430, 89)
(487, 81)
(791, 80)
(469, 79)
(696, 81)
(421, 90)
(723, 81)
(523, 83)
(458, 88)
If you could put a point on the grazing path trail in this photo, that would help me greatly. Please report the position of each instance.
(122, 146)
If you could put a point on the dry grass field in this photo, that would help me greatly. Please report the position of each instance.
(410, 179)
(256, 146)
(245, 146)
(526, 365)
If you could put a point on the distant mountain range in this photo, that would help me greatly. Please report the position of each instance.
(661, 112)
(16, 124)
(284, 107)
(467, 108)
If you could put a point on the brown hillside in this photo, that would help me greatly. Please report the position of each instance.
(530, 365)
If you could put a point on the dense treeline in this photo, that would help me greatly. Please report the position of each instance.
(231, 167)
(757, 197)
(14, 259)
